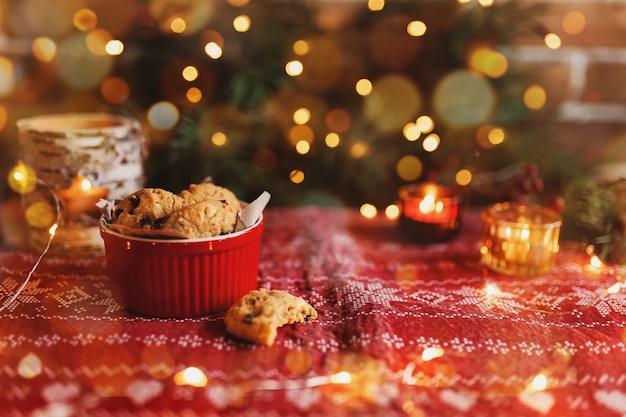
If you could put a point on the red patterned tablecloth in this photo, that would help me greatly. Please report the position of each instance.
(403, 329)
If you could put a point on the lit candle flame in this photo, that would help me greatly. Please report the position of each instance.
(85, 184)
(428, 205)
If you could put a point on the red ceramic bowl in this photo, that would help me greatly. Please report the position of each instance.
(175, 278)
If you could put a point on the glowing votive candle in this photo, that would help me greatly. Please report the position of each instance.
(519, 239)
(81, 197)
(430, 212)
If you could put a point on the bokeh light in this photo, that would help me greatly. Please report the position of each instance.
(219, 139)
(301, 116)
(463, 99)
(114, 47)
(425, 124)
(211, 36)
(29, 366)
(411, 132)
(416, 28)
(375, 5)
(85, 20)
(7, 76)
(300, 47)
(298, 133)
(80, 68)
(488, 136)
(194, 95)
(364, 87)
(431, 353)
(303, 147)
(394, 100)
(294, 68)
(535, 97)
(190, 73)
(409, 168)
(332, 140)
(4, 117)
(191, 376)
(178, 25)
(488, 62)
(496, 136)
(22, 178)
(359, 149)
(53, 19)
(552, 41)
(44, 49)
(463, 177)
(368, 211)
(213, 50)
(296, 176)
(574, 23)
(338, 120)
(242, 23)
(392, 212)
(163, 115)
(40, 215)
(96, 41)
(115, 90)
(431, 142)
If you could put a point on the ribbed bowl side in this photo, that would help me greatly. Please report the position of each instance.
(162, 280)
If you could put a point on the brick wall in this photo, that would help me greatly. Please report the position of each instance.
(585, 80)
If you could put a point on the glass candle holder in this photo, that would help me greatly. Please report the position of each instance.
(431, 213)
(83, 157)
(519, 239)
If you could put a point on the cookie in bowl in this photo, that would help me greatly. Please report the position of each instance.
(190, 260)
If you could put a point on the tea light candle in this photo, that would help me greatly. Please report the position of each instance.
(430, 212)
(519, 239)
(81, 197)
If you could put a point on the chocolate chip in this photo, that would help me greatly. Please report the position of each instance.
(134, 201)
(118, 212)
(249, 317)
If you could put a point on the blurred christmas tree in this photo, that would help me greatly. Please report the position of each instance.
(326, 102)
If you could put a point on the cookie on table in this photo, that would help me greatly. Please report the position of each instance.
(209, 191)
(146, 209)
(258, 315)
(203, 219)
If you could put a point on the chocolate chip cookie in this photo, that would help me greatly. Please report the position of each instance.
(203, 219)
(146, 209)
(209, 191)
(258, 314)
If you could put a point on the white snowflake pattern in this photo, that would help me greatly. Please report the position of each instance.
(360, 294)
(602, 301)
(28, 295)
(429, 298)
(502, 301)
